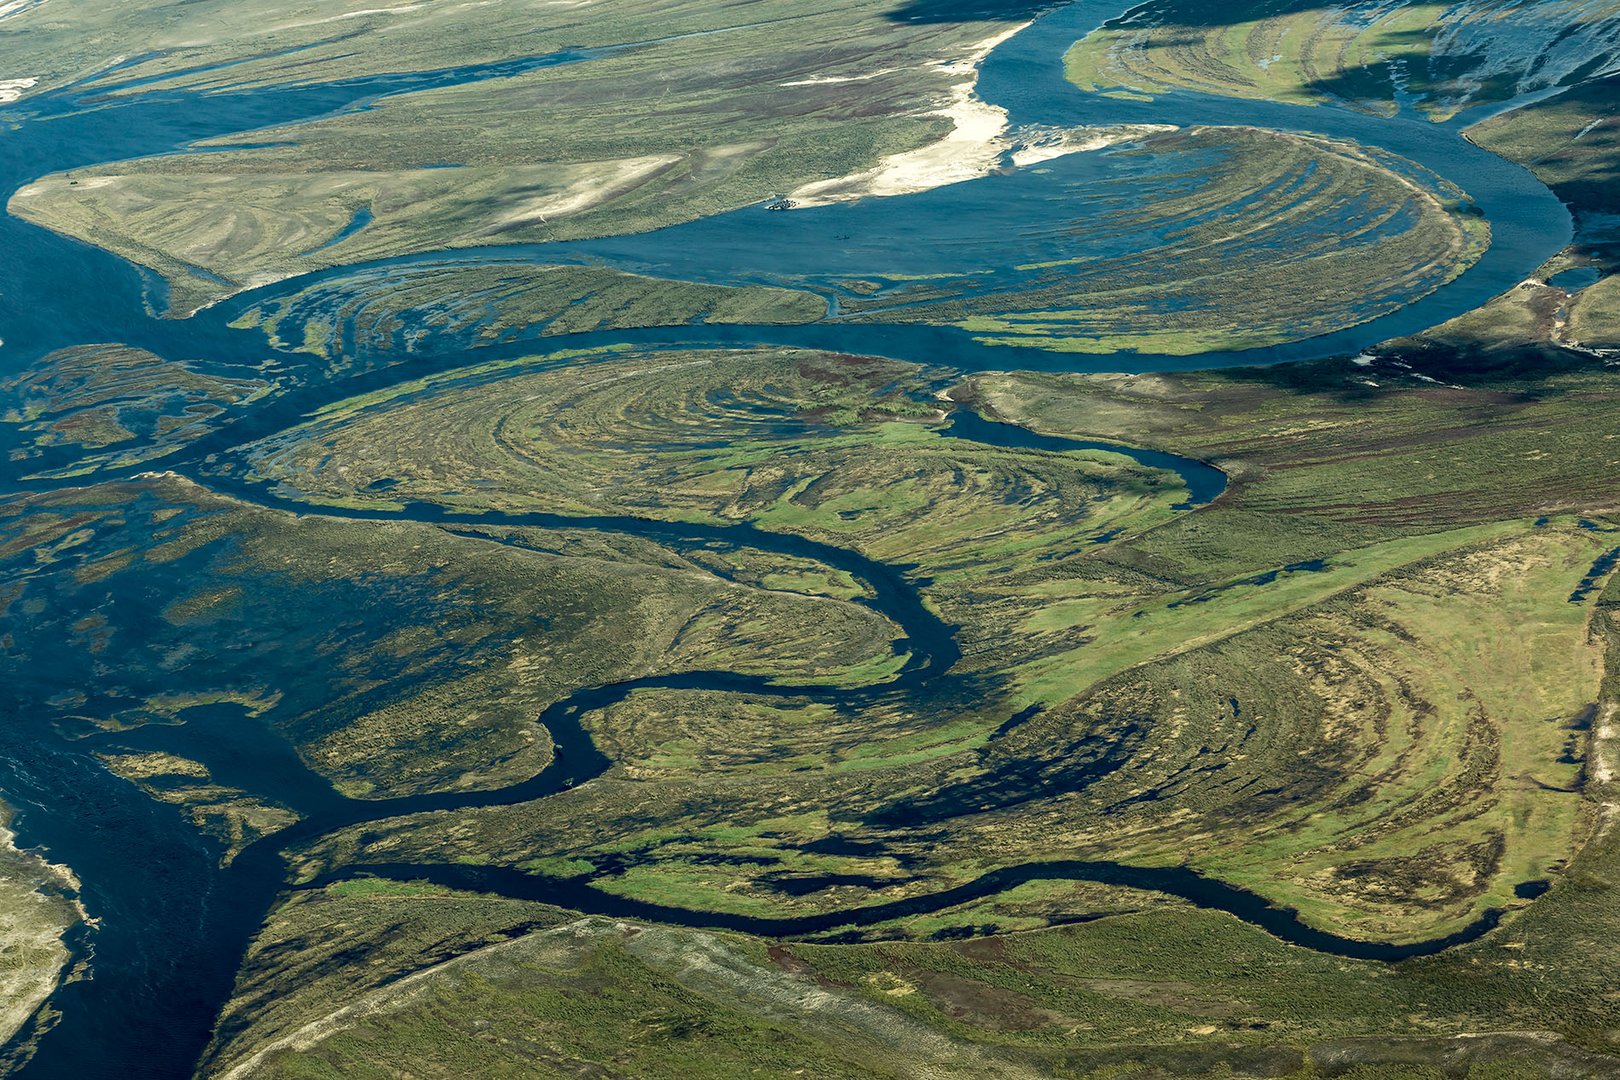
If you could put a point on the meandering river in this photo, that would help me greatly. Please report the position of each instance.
(172, 924)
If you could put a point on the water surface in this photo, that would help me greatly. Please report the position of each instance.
(172, 924)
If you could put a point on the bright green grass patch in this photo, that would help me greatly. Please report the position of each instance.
(373, 888)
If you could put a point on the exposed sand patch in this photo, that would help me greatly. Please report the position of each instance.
(8, 8)
(1604, 755)
(12, 89)
(1603, 765)
(830, 80)
(972, 149)
(89, 183)
(403, 9)
(1038, 145)
(978, 143)
(586, 192)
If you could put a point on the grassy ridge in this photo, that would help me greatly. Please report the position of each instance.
(756, 103)
(1313, 685)
(1237, 238)
(1390, 740)
(392, 310)
(1179, 991)
(1439, 57)
(441, 651)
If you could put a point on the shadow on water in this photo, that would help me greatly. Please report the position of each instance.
(173, 925)
(1575, 278)
(79, 128)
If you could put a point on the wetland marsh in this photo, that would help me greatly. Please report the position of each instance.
(921, 601)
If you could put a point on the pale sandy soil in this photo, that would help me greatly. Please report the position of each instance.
(978, 143)
(1602, 765)
(12, 89)
(828, 80)
(1605, 744)
(8, 8)
(1034, 147)
(970, 150)
(611, 179)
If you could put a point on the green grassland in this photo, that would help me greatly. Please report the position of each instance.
(718, 110)
(1569, 142)
(443, 651)
(395, 926)
(1369, 230)
(766, 435)
(1375, 682)
(1229, 240)
(1163, 991)
(1389, 741)
(773, 570)
(839, 449)
(1438, 57)
(1324, 687)
(1356, 685)
(1393, 733)
(221, 44)
(1426, 713)
(1371, 444)
(1594, 319)
(587, 997)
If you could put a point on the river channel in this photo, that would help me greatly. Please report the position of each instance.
(172, 925)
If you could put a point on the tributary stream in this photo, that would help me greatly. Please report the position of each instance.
(172, 925)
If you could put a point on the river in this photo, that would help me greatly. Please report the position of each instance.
(172, 925)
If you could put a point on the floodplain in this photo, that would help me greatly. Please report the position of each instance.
(480, 593)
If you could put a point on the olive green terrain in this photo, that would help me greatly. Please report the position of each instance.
(1236, 252)
(1337, 583)
(1570, 142)
(1215, 280)
(1440, 58)
(1389, 743)
(709, 113)
(485, 635)
(634, 139)
(1377, 681)
(398, 307)
(38, 908)
(114, 406)
(1160, 991)
(1365, 683)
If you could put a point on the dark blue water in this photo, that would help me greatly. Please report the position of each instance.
(1204, 482)
(996, 224)
(173, 924)
(1175, 880)
(56, 292)
(1575, 278)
